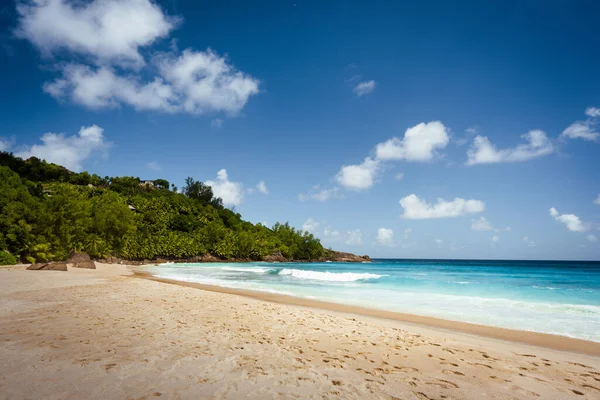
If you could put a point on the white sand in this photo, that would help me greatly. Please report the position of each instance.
(98, 334)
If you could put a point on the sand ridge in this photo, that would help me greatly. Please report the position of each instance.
(102, 335)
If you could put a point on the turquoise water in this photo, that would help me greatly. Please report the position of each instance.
(543, 296)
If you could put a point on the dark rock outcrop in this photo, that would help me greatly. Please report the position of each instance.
(52, 266)
(80, 260)
(85, 264)
(339, 256)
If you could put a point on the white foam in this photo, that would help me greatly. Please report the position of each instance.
(328, 276)
(256, 270)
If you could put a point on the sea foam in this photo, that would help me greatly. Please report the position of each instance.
(329, 276)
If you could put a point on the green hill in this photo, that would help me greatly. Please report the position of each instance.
(46, 211)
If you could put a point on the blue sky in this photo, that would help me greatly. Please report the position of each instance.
(494, 108)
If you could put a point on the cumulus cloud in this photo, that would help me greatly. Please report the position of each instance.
(5, 144)
(482, 151)
(262, 187)
(230, 192)
(354, 237)
(592, 112)
(359, 177)
(581, 130)
(364, 88)
(399, 176)
(153, 165)
(415, 208)
(310, 225)
(482, 224)
(419, 143)
(584, 129)
(195, 82)
(320, 194)
(106, 30)
(329, 232)
(104, 39)
(571, 221)
(592, 238)
(68, 151)
(495, 240)
(407, 233)
(597, 201)
(530, 243)
(385, 237)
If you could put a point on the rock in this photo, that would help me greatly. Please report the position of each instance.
(339, 256)
(52, 266)
(80, 260)
(76, 257)
(275, 257)
(85, 264)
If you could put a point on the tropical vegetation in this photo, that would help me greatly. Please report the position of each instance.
(46, 211)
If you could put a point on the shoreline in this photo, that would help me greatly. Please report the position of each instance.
(99, 334)
(529, 338)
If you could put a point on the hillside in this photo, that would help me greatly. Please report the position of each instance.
(46, 211)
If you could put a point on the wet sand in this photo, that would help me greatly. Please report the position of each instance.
(102, 334)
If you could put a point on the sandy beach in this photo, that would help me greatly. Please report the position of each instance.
(107, 334)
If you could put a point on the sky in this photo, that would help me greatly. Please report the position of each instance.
(437, 129)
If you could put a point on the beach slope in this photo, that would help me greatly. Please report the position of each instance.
(102, 334)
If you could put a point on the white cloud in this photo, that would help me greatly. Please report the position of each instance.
(329, 232)
(5, 144)
(482, 151)
(206, 82)
(494, 241)
(592, 112)
(592, 238)
(105, 30)
(481, 224)
(571, 221)
(68, 151)
(310, 225)
(194, 83)
(584, 129)
(364, 88)
(399, 176)
(320, 194)
(230, 192)
(354, 237)
(360, 176)
(153, 165)
(216, 123)
(415, 208)
(261, 187)
(104, 39)
(597, 201)
(439, 241)
(420, 143)
(581, 130)
(385, 237)
(530, 243)
(407, 233)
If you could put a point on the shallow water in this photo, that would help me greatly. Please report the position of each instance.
(543, 296)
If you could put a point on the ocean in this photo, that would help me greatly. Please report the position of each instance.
(558, 297)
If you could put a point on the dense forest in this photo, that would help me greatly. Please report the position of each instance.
(46, 211)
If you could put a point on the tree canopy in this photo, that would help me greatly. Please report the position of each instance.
(46, 211)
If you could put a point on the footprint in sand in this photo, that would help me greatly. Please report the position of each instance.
(444, 384)
(449, 371)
